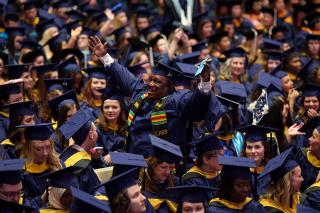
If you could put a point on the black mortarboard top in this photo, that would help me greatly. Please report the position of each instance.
(45, 68)
(61, 4)
(56, 104)
(123, 162)
(164, 70)
(31, 56)
(200, 46)
(277, 167)
(310, 89)
(15, 71)
(30, 44)
(224, 20)
(231, 3)
(119, 32)
(84, 202)
(191, 193)
(215, 38)
(20, 109)
(71, 51)
(120, 182)
(274, 55)
(116, 9)
(112, 93)
(4, 57)
(236, 52)
(75, 15)
(87, 31)
(151, 29)
(39, 131)
(305, 209)
(29, 4)
(187, 29)
(63, 178)
(254, 133)
(311, 125)
(188, 70)
(99, 17)
(7, 89)
(96, 72)
(189, 58)
(11, 171)
(236, 167)
(230, 104)
(164, 150)
(263, 80)
(11, 16)
(9, 207)
(77, 127)
(278, 72)
(198, 18)
(69, 65)
(233, 91)
(312, 37)
(44, 25)
(279, 28)
(275, 85)
(137, 70)
(63, 84)
(269, 44)
(268, 10)
(14, 31)
(207, 143)
(307, 69)
(3, 2)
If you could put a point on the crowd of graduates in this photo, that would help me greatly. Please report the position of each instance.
(160, 106)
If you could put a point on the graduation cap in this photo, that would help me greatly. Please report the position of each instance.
(215, 38)
(29, 4)
(4, 57)
(187, 29)
(11, 171)
(137, 70)
(57, 103)
(15, 71)
(304, 209)
(263, 80)
(154, 40)
(63, 178)
(116, 9)
(277, 167)
(191, 193)
(269, 44)
(152, 28)
(188, 70)
(233, 91)
(112, 93)
(44, 25)
(20, 109)
(119, 32)
(278, 72)
(230, 104)
(201, 17)
(71, 51)
(84, 202)
(311, 125)
(61, 4)
(267, 10)
(279, 28)
(96, 72)
(3, 2)
(39, 131)
(11, 16)
(274, 55)
(63, 84)
(236, 167)
(309, 90)
(224, 20)
(254, 133)
(31, 56)
(14, 31)
(123, 162)
(312, 37)
(45, 69)
(164, 70)
(235, 52)
(275, 85)
(207, 143)
(164, 150)
(10, 88)
(189, 58)
(307, 69)
(87, 31)
(8, 207)
(200, 46)
(120, 182)
(77, 127)
(30, 44)
(75, 15)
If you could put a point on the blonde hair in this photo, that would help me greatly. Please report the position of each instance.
(137, 58)
(225, 72)
(280, 191)
(53, 160)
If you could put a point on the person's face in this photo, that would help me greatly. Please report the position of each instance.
(39, 61)
(236, 11)
(41, 150)
(27, 80)
(161, 171)
(126, 36)
(224, 44)
(71, 111)
(237, 66)
(255, 151)
(314, 142)
(17, 42)
(31, 13)
(10, 192)
(285, 112)
(83, 42)
(230, 29)
(158, 86)
(111, 110)
(142, 23)
(256, 6)
(295, 64)
(296, 180)
(192, 207)
(207, 30)
(311, 102)
(212, 162)
(122, 17)
(241, 190)
(97, 84)
(280, 5)
(287, 84)
(145, 60)
(91, 139)
(205, 53)
(267, 19)
(272, 64)
(14, 98)
(1, 66)
(137, 199)
(212, 79)
(313, 47)
(28, 120)
(162, 46)
(54, 75)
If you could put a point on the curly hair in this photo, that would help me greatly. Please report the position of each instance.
(121, 203)
(280, 191)
(225, 72)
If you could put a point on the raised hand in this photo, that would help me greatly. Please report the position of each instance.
(294, 129)
(76, 32)
(97, 47)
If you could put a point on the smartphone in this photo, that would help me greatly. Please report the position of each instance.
(98, 148)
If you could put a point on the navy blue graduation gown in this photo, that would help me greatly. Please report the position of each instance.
(9, 149)
(110, 141)
(312, 198)
(93, 112)
(249, 207)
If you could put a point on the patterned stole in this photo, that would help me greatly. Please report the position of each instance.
(158, 116)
